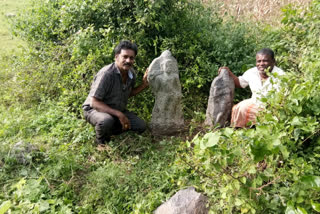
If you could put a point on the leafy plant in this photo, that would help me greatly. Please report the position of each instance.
(71, 40)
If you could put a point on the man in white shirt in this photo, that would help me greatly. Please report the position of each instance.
(260, 83)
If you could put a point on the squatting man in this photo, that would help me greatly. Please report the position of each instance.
(105, 106)
(260, 82)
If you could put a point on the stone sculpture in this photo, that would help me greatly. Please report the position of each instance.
(186, 201)
(163, 77)
(220, 100)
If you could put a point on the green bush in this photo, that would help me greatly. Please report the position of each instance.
(71, 40)
(273, 167)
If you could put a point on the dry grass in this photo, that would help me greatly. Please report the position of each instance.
(9, 43)
(260, 11)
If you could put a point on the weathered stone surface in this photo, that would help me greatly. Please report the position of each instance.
(186, 201)
(23, 152)
(163, 77)
(220, 100)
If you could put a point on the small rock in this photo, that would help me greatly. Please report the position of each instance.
(10, 15)
(186, 201)
(23, 152)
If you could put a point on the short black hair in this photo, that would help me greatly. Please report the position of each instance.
(266, 51)
(126, 45)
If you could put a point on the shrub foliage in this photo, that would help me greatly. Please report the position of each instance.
(273, 168)
(71, 40)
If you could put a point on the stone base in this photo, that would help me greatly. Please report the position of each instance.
(166, 129)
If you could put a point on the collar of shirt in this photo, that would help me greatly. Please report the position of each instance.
(130, 74)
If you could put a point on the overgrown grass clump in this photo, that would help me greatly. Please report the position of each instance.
(49, 163)
(65, 172)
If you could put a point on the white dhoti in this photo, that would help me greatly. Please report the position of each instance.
(244, 114)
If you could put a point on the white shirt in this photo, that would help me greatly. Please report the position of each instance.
(259, 88)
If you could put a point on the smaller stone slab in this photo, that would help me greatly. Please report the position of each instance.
(220, 100)
(186, 201)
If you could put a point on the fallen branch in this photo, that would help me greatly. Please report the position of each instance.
(260, 189)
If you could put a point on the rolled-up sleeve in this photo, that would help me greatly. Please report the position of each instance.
(101, 86)
(244, 81)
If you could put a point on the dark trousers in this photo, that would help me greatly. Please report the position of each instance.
(107, 125)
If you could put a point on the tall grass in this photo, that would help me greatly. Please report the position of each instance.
(8, 10)
(259, 11)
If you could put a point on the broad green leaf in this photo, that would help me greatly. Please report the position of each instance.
(259, 149)
(196, 140)
(264, 130)
(5, 206)
(210, 140)
(296, 121)
(297, 109)
(228, 132)
(238, 202)
(243, 180)
(236, 184)
(259, 181)
(311, 181)
(315, 206)
(276, 142)
(44, 205)
(300, 199)
(237, 152)
(252, 170)
(300, 210)
(290, 210)
(244, 210)
(284, 152)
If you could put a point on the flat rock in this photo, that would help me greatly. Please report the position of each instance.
(10, 15)
(23, 152)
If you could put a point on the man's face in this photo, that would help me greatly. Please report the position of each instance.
(264, 63)
(125, 59)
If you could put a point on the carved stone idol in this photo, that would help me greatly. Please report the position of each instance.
(163, 77)
(220, 100)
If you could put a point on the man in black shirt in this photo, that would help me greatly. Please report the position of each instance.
(105, 106)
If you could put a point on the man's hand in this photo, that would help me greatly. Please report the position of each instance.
(102, 107)
(226, 68)
(143, 85)
(124, 121)
(145, 80)
(234, 77)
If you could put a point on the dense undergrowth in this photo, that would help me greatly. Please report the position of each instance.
(272, 168)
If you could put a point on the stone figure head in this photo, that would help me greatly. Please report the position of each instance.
(165, 64)
(168, 66)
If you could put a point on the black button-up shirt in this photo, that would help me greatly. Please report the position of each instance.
(108, 87)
